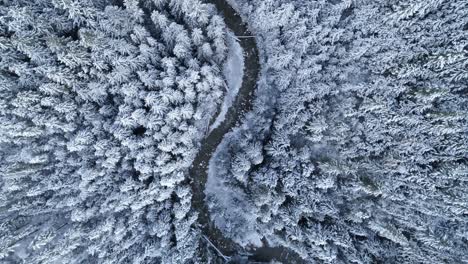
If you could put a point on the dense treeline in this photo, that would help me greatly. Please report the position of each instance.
(102, 105)
(357, 150)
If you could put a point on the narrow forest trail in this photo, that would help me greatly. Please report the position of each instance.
(242, 104)
(199, 170)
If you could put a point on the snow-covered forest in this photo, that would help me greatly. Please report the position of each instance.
(355, 151)
(102, 106)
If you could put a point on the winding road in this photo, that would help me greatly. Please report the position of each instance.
(198, 172)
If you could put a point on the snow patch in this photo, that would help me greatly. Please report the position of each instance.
(233, 71)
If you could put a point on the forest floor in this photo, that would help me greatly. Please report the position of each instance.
(199, 170)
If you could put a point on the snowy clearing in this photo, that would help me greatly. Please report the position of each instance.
(233, 73)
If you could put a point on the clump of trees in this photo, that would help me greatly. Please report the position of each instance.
(102, 106)
(362, 120)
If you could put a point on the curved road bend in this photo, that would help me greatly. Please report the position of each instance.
(198, 172)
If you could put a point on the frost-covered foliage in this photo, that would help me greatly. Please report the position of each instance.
(357, 149)
(102, 105)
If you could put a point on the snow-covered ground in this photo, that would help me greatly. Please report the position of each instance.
(233, 73)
